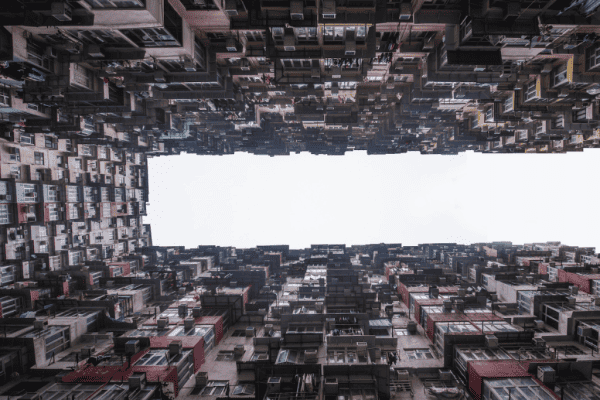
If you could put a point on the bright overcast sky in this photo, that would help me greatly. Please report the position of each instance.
(245, 200)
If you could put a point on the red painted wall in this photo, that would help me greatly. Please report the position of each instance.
(478, 370)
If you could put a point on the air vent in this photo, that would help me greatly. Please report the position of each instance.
(62, 11)
(289, 43)
(296, 10)
(328, 10)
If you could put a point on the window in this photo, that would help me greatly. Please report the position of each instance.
(27, 138)
(516, 388)
(39, 158)
(215, 388)
(154, 358)
(243, 390)
(287, 356)
(15, 154)
(50, 142)
(419, 354)
(116, 3)
(593, 57)
(239, 333)
(225, 355)
(73, 212)
(5, 215)
(531, 93)
(509, 104)
(580, 115)
(401, 332)
(341, 33)
(255, 36)
(306, 34)
(560, 76)
(300, 63)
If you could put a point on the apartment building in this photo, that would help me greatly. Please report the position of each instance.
(326, 76)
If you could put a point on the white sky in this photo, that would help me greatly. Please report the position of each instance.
(245, 200)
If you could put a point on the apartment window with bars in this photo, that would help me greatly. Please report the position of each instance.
(508, 104)
(5, 215)
(593, 57)
(38, 158)
(531, 92)
(419, 354)
(277, 33)
(339, 33)
(489, 115)
(75, 257)
(254, 36)
(559, 121)
(579, 115)
(522, 135)
(560, 76)
(300, 63)
(53, 213)
(73, 212)
(15, 154)
(116, 3)
(27, 138)
(50, 142)
(199, 4)
(306, 34)
(540, 129)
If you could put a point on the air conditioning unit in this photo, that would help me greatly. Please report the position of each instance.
(289, 42)
(547, 68)
(546, 374)
(405, 11)
(162, 323)
(88, 351)
(230, 45)
(328, 10)
(94, 51)
(331, 386)
(201, 379)
(188, 323)
(574, 290)
(361, 349)
(571, 300)
(62, 11)
(350, 47)
(503, 309)
(6, 197)
(239, 350)
(245, 65)
(137, 381)
(132, 347)
(189, 66)
(459, 305)
(196, 312)
(584, 331)
(175, 348)
(411, 327)
(50, 52)
(310, 356)
(539, 324)
(231, 8)
(445, 375)
(274, 384)
(491, 341)
(539, 342)
(250, 331)
(297, 10)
